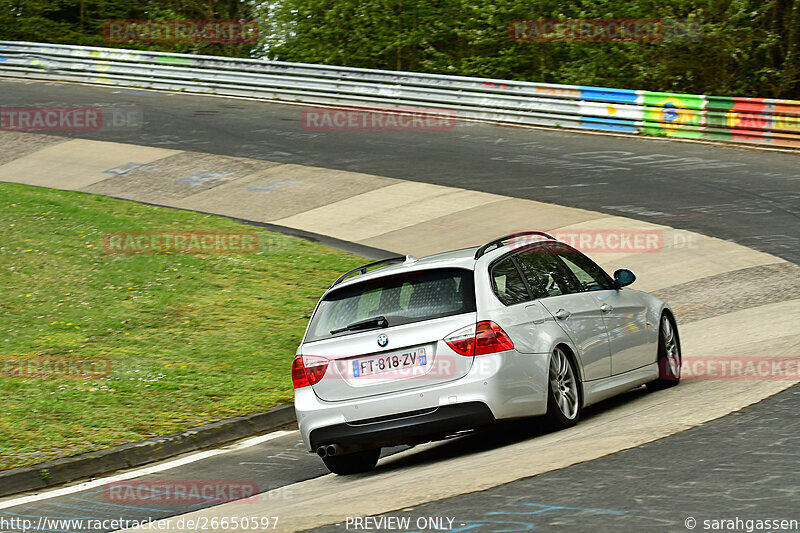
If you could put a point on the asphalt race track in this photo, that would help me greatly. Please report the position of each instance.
(741, 465)
(749, 196)
(656, 487)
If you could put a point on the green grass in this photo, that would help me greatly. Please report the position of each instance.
(191, 338)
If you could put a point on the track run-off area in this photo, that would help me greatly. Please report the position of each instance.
(727, 262)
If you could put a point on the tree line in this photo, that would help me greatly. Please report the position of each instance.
(738, 48)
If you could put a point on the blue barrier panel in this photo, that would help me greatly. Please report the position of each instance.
(609, 124)
(604, 94)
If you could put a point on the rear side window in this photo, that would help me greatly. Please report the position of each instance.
(507, 283)
(401, 299)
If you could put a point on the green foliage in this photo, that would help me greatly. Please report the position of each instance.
(81, 22)
(748, 47)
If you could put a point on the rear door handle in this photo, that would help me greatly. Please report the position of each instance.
(606, 308)
(562, 314)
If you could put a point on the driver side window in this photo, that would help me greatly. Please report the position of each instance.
(589, 275)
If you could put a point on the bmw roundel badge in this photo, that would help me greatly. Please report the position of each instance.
(383, 340)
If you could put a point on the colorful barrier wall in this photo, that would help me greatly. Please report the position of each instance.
(691, 116)
(687, 116)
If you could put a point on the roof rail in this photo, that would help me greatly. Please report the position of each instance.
(363, 268)
(499, 241)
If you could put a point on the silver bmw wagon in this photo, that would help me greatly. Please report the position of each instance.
(406, 350)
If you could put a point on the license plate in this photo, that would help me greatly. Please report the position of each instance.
(400, 363)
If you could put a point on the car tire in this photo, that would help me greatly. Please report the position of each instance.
(353, 463)
(669, 355)
(563, 391)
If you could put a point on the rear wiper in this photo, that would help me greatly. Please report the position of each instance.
(374, 322)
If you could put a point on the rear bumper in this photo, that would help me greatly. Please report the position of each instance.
(405, 428)
(509, 384)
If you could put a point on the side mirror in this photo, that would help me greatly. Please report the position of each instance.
(624, 277)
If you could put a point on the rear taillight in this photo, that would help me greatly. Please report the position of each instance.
(491, 338)
(479, 339)
(462, 341)
(308, 370)
(299, 378)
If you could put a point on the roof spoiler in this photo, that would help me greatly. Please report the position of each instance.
(363, 268)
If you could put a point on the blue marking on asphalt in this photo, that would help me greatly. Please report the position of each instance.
(528, 526)
(269, 186)
(119, 505)
(63, 515)
(92, 492)
(590, 509)
(79, 506)
(124, 169)
(202, 177)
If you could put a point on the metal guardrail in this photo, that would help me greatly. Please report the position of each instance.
(749, 120)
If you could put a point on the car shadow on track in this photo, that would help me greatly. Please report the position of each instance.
(496, 436)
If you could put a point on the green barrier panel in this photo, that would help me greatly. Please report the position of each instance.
(717, 110)
(674, 115)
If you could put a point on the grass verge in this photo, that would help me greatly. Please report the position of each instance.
(189, 338)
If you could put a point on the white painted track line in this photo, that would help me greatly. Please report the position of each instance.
(199, 456)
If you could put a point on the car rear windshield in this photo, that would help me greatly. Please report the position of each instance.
(400, 299)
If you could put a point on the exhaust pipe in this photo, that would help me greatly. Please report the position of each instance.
(329, 450)
(333, 449)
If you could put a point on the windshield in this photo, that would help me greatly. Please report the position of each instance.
(401, 299)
